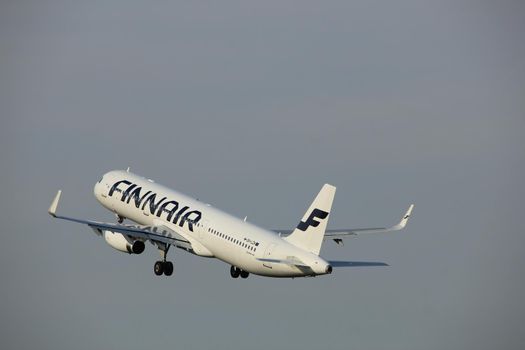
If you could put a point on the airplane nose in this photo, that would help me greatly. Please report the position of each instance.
(95, 192)
(328, 269)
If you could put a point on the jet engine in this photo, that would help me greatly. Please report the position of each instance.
(123, 243)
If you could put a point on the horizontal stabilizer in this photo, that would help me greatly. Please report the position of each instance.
(292, 261)
(356, 263)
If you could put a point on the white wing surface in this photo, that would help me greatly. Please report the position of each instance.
(338, 234)
(341, 233)
(155, 234)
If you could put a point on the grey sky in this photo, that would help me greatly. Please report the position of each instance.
(252, 107)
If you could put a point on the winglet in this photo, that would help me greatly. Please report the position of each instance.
(404, 220)
(54, 204)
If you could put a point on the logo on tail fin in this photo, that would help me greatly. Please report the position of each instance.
(311, 221)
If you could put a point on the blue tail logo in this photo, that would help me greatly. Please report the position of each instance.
(311, 221)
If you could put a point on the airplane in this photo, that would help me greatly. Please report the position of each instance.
(168, 218)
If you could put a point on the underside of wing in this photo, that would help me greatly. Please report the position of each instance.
(155, 234)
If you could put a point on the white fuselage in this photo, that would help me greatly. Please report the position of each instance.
(211, 232)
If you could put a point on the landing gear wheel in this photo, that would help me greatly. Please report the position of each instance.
(158, 268)
(168, 268)
(163, 266)
(234, 272)
(244, 274)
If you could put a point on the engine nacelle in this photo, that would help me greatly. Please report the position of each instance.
(123, 243)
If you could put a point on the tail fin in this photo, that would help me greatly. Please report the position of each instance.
(309, 233)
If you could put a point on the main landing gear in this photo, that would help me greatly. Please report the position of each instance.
(163, 266)
(236, 272)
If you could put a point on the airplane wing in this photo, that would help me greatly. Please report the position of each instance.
(338, 234)
(161, 234)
